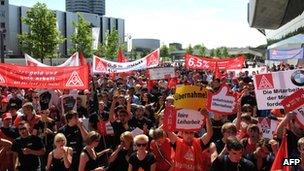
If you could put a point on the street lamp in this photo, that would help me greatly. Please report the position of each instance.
(2, 33)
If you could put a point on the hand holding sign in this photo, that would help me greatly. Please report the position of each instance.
(221, 102)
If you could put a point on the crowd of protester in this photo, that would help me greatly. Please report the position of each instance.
(35, 134)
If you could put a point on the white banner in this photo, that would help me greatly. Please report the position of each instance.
(95, 35)
(267, 126)
(161, 73)
(272, 88)
(71, 61)
(251, 71)
(104, 66)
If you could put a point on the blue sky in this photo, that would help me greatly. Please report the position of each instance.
(212, 22)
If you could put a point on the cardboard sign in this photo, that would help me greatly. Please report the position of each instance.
(272, 88)
(221, 102)
(182, 119)
(68, 102)
(161, 73)
(267, 126)
(293, 101)
(190, 97)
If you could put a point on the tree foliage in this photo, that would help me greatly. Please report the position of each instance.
(190, 49)
(225, 52)
(212, 53)
(110, 45)
(164, 51)
(218, 52)
(44, 38)
(82, 39)
(200, 49)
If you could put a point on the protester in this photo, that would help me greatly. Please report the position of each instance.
(188, 149)
(233, 160)
(27, 149)
(119, 159)
(61, 157)
(6, 161)
(75, 133)
(161, 148)
(142, 159)
(88, 158)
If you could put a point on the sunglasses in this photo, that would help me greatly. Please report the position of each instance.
(36, 97)
(141, 145)
(60, 141)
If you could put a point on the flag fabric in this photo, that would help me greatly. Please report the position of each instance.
(121, 57)
(281, 154)
(217, 72)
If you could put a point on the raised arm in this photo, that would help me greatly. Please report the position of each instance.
(208, 135)
(112, 109)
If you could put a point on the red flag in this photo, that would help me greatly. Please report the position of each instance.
(82, 59)
(121, 57)
(217, 71)
(282, 153)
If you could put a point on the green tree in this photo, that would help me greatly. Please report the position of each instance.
(82, 38)
(44, 39)
(110, 45)
(190, 49)
(212, 53)
(218, 52)
(225, 52)
(164, 51)
(200, 49)
(172, 49)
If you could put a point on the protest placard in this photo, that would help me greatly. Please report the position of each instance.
(190, 97)
(161, 73)
(222, 102)
(251, 71)
(267, 126)
(182, 119)
(68, 102)
(295, 103)
(272, 88)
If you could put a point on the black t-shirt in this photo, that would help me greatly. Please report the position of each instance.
(134, 122)
(27, 162)
(267, 162)
(74, 138)
(219, 145)
(10, 132)
(82, 112)
(217, 129)
(48, 140)
(121, 163)
(118, 130)
(145, 164)
(94, 118)
(225, 164)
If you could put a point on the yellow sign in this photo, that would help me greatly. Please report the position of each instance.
(190, 97)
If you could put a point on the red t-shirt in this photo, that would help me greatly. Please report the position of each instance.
(166, 151)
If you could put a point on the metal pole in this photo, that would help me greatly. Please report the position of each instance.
(2, 45)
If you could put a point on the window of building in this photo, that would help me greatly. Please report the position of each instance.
(2, 2)
(2, 25)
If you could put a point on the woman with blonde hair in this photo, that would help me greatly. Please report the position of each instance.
(88, 157)
(119, 160)
(142, 160)
(61, 157)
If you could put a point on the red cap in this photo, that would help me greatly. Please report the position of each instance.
(6, 116)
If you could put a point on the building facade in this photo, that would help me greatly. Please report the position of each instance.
(87, 6)
(150, 44)
(10, 19)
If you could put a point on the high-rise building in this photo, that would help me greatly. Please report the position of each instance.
(10, 20)
(87, 6)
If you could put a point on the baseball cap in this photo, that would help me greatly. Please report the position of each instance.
(6, 116)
